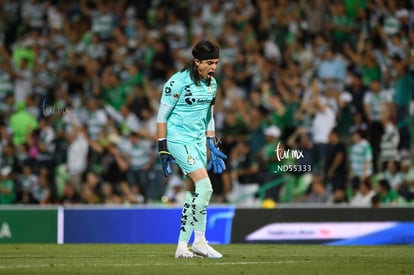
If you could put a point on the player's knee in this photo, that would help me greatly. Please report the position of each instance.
(204, 190)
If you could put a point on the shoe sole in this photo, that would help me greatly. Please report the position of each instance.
(184, 257)
(202, 255)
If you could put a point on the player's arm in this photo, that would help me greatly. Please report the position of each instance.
(165, 156)
(163, 114)
(211, 127)
(167, 105)
(216, 157)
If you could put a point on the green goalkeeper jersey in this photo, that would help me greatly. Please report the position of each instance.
(191, 105)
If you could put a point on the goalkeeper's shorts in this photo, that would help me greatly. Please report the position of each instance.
(188, 157)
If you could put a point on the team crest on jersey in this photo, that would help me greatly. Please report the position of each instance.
(190, 160)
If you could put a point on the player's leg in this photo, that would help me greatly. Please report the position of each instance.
(202, 195)
(185, 160)
(192, 160)
(187, 225)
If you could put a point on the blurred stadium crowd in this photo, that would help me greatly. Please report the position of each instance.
(314, 104)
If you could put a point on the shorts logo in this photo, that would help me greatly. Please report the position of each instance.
(190, 160)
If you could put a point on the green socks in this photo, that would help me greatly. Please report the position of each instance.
(194, 213)
(202, 195)
(186, 228)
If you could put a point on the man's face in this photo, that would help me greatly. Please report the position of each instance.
(355, 138)
(206, 68)
(134, 138)
(332, 138)
(375, 86)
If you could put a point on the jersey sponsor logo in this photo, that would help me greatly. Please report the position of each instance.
(204, 100)
(188, 96)
(190, 100)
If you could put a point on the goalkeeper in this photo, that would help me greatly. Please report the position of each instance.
(185, 127)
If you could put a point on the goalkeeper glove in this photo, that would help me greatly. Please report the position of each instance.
(166, 157)
(216, 157)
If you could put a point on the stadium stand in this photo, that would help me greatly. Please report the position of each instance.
(310, 90)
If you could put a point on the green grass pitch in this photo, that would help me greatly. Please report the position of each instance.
(238, 259)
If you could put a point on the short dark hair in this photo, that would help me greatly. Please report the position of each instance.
(360, 133)
(384, 183)
(367, 182)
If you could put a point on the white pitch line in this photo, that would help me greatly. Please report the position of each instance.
(30, 266)
(81, 257)
(142, 264)
(31, 256)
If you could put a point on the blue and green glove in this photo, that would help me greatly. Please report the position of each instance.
(216, 157)
(166, 157)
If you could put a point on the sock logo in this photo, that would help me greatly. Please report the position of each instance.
(184, 217)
